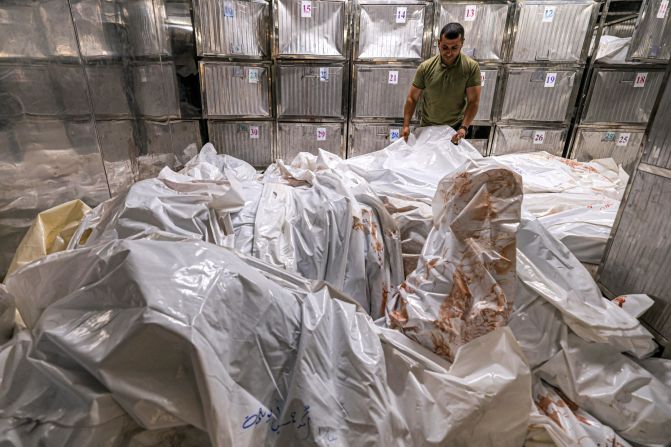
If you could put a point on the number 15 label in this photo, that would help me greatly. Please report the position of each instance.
(306, 8)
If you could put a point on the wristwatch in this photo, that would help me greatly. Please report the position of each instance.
(465, 128)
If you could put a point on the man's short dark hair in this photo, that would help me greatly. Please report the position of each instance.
(452, 31)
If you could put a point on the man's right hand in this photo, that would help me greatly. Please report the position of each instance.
(405, 133)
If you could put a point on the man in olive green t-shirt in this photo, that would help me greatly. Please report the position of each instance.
(449, 84)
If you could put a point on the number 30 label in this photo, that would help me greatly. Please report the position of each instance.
(539, 137)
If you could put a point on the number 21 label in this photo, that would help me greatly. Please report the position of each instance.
(393, 77)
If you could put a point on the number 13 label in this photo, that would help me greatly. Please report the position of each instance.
(539, 137)
(306, 8)
(393, 77)
(470, 13)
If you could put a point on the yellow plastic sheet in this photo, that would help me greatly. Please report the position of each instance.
(50, 233)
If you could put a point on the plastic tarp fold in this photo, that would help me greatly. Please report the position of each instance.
(188, 334)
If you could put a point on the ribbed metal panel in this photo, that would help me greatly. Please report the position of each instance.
(658, 149)
(652, 39)
(621, 29)
(639, 258)
(375, 97)
(381, 37)
(184, 133)
(99, 28)
(146, 27)
(615, 99)
(227, 90)
(322, 34)
(155, 89)
(508, 140)
(484, 35)
(42, 90)
(370, 137)
(293, 138)
(233, 28)
(620, 145)
(488, 92)
(109, 91)
(234, 138)
(559, 40)
(119, 153)
(480, 145)
(304, 93)
(36, 30)
(528, 99)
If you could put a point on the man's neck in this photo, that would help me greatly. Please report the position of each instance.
(454, 61)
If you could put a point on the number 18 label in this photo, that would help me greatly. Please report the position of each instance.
(640, 79)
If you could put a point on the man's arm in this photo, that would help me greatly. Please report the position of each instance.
(473, 98)
(409, 109)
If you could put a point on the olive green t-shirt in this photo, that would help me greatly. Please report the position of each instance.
(444, 96)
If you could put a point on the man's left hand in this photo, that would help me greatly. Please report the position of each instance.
(457, 137)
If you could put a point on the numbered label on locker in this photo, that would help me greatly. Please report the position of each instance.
(550, 79)
(228, 10)
(623, 139)
(539, 137)
(401, 14)
(663, 9)
(306, 8)
(254, 132)
(323, 74)
(393, 77)
(321, 134)
(483, 78)
(253, 76)
(470, 13)
(394, 134)
(640, 80)
(608, 137)
(549, 14)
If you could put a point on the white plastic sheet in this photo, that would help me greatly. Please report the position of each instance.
(185, 335)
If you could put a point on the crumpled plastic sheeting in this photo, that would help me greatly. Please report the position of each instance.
(613, 388)
(568, 420)
(464, 284)
(50, 232)
(239, 350)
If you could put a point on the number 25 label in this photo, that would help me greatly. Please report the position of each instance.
(623, 139)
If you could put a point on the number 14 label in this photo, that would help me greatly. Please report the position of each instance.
(401, 14)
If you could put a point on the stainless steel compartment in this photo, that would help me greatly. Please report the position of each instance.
(311, 90)
(185, 139)
(484, 25)
(652, 36)
(236, 28)
(53, 90)
(516, 139)
(235, 89)
(146, 27)
(36, 30)
(380, 90)
(119, 153)
(109, 90)
(622, 145)
(251, 141)
(319, 31)
(658, 148)
(488, 93)
(552, 31)
(370, 137)
(532, 95)
(155, 89)
(622, 96)
(390, 30)
(293, 138)
(99, 25)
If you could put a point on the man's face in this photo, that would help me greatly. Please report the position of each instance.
(450, 49)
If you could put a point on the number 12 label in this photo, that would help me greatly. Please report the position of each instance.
(539, 137)
(549, 14)
(393, 77)
(470, 13)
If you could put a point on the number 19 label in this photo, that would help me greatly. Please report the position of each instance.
(550, 79)
(539, 137)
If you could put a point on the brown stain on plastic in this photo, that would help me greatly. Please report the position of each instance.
(544, 403)
(620, 300)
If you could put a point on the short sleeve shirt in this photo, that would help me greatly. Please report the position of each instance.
(444, 89)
